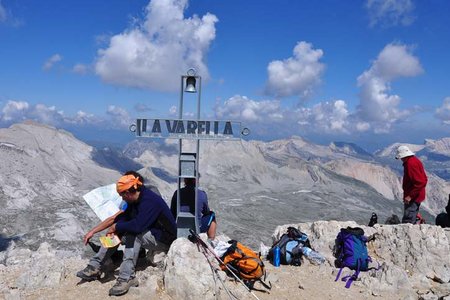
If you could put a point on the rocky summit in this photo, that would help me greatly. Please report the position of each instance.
(414, 264)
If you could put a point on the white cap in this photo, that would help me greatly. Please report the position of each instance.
(403, 151)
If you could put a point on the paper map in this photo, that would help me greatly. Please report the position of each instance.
(109, 241)
(104, 201)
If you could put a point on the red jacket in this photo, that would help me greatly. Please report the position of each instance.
(414, 179)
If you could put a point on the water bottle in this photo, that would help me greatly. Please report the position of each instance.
(313, 256)
(276, 256)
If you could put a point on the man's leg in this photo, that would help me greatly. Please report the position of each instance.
(126, 277)
(130, 256)
(92, 271)
(410, 212)
(133, 243)
(150, 243)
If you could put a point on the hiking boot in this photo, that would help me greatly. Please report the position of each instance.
(122, 286)
(89, 273)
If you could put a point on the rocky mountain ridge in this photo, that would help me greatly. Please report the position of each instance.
(44, 173)
(253, 186)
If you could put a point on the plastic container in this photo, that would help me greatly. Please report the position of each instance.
(276, 256)
(313, 256)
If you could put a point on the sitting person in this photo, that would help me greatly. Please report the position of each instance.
(118, 255)
(147, 222)
(443, 219)
(205, 217)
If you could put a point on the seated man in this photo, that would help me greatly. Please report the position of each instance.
(205, 217)
(110, 220)
(147, 222)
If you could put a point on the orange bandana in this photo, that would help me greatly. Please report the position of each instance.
(126, 182)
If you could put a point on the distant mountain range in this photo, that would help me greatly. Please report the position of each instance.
(253, 186)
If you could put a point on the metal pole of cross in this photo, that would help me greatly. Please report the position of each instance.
(185, 129)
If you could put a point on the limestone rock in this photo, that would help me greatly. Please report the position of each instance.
(410, 255)
(185, 277)
(45, 270)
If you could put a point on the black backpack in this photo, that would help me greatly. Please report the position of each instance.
(291, 244)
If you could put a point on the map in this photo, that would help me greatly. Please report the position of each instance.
(104, 201)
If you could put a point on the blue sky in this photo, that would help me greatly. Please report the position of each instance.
(371, 72)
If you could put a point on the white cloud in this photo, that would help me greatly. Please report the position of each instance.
(14, 110)
(55, 58)
(268, 115)
(83, 118)
(241, 108)
(155, 52)
(390, 12)
(297, 75)
(443, 112)
(331, 116)
(377, 107)
(142, 107)
(173, 110)
(18, 111)
(362, 126)
(395, 61)
(81, 69)
(119, 116)
(3, 15)
(47, 114)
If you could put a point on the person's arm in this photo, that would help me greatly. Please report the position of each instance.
(100, 227)
(204, 202)
(173, 205)
(147, 215)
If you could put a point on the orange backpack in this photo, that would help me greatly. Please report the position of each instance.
(243, 261)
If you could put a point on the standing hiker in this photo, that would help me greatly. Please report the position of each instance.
(414, 183)
(147, 222)
(205, 217)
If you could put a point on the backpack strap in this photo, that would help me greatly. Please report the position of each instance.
(251, 285)
(267, 286)
(351, 278)
(339, 274)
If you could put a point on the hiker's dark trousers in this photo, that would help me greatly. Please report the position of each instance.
(132, 244)
(410, 212)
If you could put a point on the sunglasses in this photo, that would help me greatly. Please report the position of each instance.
(124, 193)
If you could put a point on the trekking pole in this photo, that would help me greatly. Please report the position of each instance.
(202, 243)
(216, 275)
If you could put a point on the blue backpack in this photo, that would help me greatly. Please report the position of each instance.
(351, 252)
(291, 244)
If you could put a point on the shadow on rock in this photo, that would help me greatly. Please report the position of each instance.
(6, 241)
